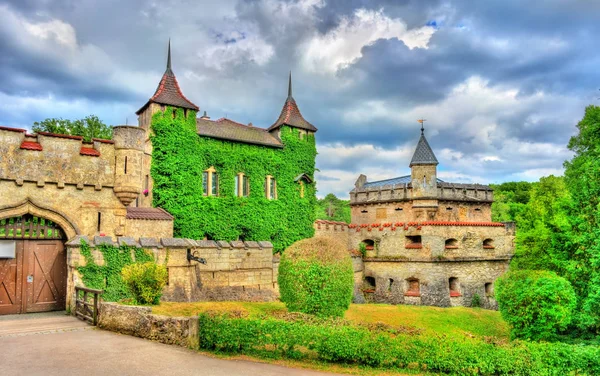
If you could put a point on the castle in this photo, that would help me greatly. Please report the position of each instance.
(420, 240)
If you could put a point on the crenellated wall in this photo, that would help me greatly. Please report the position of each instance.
(235, 270)
(83, 187)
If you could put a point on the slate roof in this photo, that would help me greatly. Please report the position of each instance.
(156, 214)
(168, 91)
(423, 154)
(393, 181)
(226, 129)
(290, 114)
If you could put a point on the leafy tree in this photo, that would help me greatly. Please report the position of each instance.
(89, 127)
(582, 256)
(510, 200)
(537, 304)
(332, 208)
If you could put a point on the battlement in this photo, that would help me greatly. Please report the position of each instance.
(475, 193)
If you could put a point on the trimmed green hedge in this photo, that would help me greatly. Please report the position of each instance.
(316, 277)
(338, 341)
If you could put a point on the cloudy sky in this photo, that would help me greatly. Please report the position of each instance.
(500, 84)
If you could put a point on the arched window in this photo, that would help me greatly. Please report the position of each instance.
(369, 244)
(242, 186)
(413, 242)
(454, 287)
(488, 244)
(451, 244)
(210, 182)
(369, 285)
(413, 287)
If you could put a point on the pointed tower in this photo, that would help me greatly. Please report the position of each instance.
(291, 116)
(168, 93)
(423, 166)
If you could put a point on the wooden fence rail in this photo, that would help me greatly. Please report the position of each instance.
(84, 308)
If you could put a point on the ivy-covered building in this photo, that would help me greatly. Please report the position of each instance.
(225, 180)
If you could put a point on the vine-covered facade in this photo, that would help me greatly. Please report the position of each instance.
(225, 180)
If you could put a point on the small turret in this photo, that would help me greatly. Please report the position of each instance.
(291, 116)
(129, 153)
(423, 166)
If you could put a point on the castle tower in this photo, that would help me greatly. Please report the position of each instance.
(129, 154)
(168, 93)
(291, 116)
(423, 167)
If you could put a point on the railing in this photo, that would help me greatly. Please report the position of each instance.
(84, 308)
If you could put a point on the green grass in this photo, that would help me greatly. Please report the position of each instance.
(455, 322)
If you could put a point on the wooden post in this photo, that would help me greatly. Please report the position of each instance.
(95, 317)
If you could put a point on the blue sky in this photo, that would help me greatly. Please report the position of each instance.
(501, 83)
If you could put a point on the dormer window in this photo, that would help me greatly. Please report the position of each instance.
(210, 182)
(302, 180)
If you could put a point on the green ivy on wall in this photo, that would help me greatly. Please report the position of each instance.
(107, 277)
(180, 156)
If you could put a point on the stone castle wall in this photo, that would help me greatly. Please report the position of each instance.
(83, 187)
(236, 270)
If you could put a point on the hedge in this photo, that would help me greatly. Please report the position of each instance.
(339, 341)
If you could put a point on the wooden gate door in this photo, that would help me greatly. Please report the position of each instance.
(11, 271)
(36, 279)
(44, 275)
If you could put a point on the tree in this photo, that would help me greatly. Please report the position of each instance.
(536, 304)
(510, 200)
(582, 254)
(89, 127)
(332, 208)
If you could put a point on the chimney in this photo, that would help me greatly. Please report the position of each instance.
(205, 116)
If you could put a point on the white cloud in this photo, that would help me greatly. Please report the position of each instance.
(341, 46)
(60, 31)
(233, 47)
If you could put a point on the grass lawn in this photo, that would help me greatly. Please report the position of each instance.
(454, 322)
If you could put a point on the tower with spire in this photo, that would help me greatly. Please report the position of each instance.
(290, 115)
(168, 93)
(423, 167)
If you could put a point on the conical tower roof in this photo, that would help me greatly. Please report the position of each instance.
(168, 91)
(290, 114)
(423, 154)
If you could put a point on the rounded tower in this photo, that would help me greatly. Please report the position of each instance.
(129, 153)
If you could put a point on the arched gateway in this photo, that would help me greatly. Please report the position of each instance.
(33, 265)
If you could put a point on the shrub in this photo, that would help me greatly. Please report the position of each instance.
(337, 341)
(476, 301)
(536, 304)
(316, 277)
(145, 281)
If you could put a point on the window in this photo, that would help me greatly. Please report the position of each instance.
(414, 287)
(242, 187)
(301, 189)
(489, 289)
(271, 188)
(454, 287)
(414, 242)
(369, 285)
(369, 244)
(390, 285)
(488, 244)
(451, 244)
(210, 182)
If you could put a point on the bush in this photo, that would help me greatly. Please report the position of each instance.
(338, 341)
(145, 281)
(316, 277)
(536, 304)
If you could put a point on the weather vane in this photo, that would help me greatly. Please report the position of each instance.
(422, 121)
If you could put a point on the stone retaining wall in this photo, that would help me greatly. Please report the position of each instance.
(140, 322)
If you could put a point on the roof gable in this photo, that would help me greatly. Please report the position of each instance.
(290, 114)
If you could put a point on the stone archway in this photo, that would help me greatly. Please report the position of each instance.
(35, 209)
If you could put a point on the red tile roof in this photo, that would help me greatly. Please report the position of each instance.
(89, 151)
(31, 145)
(169, 93)
(103, 140)
(156, 214)
(226, 129)
(290, 114)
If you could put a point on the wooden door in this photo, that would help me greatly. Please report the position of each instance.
(44, 275)
(11, 272)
